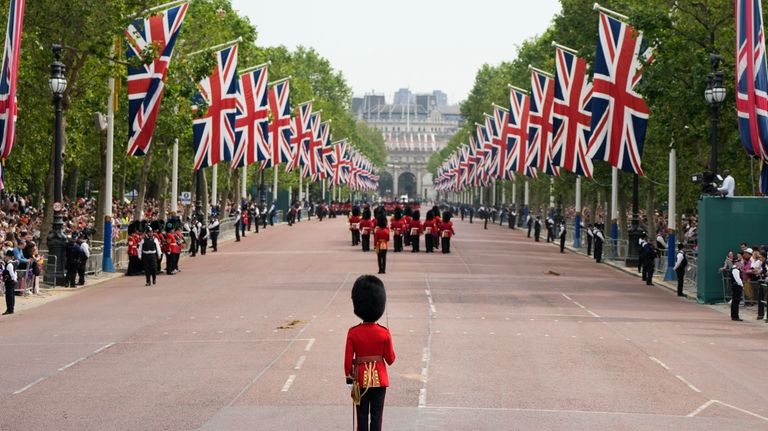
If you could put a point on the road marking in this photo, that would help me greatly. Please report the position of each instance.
(72, 363)
(566, 296)
(580, 306)
(288, 383)
(310, 342)
(693, 388)
(742, 410)
(593, 314)
(426, 351)
(103, 348)
(701, 408)
(29, 386)
(300, 362)
(663, 365)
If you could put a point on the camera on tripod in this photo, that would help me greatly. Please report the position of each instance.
(709, 182)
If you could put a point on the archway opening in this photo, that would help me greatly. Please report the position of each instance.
(406, 185)
(385, 185)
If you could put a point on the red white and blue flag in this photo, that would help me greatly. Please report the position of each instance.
(300, 132)
(751, 78)
(517, 133)
(251, 133)
(540, 124)
(147, 81)
(493, 147)
(340, 163)
(8, 77)
(619, 113)
(321, 148)
(280, 126)
(571, 117)
(214, 132)
(504, 143)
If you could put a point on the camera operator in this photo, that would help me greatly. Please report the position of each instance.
(729, 185)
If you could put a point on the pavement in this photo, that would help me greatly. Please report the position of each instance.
(503, 333)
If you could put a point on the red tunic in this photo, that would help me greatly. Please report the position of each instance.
(369, 339)
(396, 226)
(446, 229)
(381, 238)
(354, 222)
(366, 227)
(429, 227)
(133, 246)
(170, 239)
(415, 224)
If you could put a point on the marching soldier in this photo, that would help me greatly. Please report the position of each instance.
(415, 231)
(397, 227)
(367, 353)
(354, 225)
(429, 227)
(599, 240)
(436, 230)
(366, 227)
(446, 232)
(407, 219)
(381, 242)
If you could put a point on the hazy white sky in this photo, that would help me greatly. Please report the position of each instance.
(423, 45)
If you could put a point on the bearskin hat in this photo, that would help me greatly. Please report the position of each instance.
(369, 298)
(355, 210)
(446, 216)
(367, 214)
(133, 227)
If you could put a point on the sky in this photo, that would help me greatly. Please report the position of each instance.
(422, 45)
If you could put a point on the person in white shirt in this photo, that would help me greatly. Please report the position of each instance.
(661, 243)
(149, 251)
(729, 185)
(84, 259)
(9, 280)
(681, 263)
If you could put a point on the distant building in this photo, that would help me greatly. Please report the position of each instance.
(414, 127)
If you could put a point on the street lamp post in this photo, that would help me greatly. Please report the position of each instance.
(714, 95)
(56, 241)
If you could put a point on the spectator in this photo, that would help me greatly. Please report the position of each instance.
(729, 185)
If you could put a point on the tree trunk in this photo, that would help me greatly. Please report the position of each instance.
(45, 227)
(71, 183)
(138, 213)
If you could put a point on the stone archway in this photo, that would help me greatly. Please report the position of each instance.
(386, 184)
(406, 185)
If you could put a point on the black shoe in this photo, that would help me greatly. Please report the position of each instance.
(7, 313)
(737, 319)
(147, 284)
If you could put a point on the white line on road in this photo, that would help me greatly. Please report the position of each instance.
(566, 296)
(593, 314)
(288, 383)
(29, 386)
(659, 362)
(310, 342)
(693, 388)
(72, 363)
(701, 408)
(580, 306)
(742, 410)
(103, 348)
(300, 362)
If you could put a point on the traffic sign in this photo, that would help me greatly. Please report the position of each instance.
(186, 198)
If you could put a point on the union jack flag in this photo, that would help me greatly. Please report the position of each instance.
(505, 143)
(339, 162)
(147, 81)
(280, 127)
(482, 153)
(8, 76)
(214, 133)
(307, 156)
(322, 146)
(493, 147)
(300, 132)
(619, 113)
(464, 167)
(251, 134)
(571, 115)
(517, 133)
(752, 78)
(540, 124)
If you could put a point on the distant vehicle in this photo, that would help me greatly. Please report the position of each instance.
(404, 198)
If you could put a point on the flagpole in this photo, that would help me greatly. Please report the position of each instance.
(301, 185)
(614, 209)
(577, 221)
(565, 48)
(672, 216)
(252, 68)
(214, 185)
(107, 265)
(152, 9)
(324, 190)
(274, 187)
(244, 183)
(175, 178)
(215, 47)
(531, 68)
(597, 7)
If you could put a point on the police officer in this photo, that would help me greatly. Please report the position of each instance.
(649, 262)
(561, 235)
(599, 240)
(213, 232)
(529, 223)
(737, 289)
(73, 255)
(537, 228)
(9, 280)
(512, 217)
(590, 238)
(194, 232)
(238, 224)
(202, 238)
(681, 263)
(149, 250)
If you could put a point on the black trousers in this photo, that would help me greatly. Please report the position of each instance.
(648, 268)
(215, 241)
(537, 234)
(398, 240)
(371, 410)
(760, 299)
(237, 231)
(10, 298)
(736, 293)
(598, 251)
(589, 245)
(529, 230)
(72, 274)
(192, 245)
(446, 245)
(680, 280)
(250, 222)
(429, 242)
(202, 245)
(366, 242)
(415, 243)
(512, 221)
(562, 244)
(381, 258)
(81, 272)
(150, 267)
(355, 237)
(485, 224)
(407, 238)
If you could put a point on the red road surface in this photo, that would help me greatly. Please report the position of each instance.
(252, 338)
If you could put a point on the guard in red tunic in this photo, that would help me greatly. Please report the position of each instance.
(354, 225)
(134, 263)
(398, 227)
(369, 346)
(414, 231)
(446, 232)
(438, 223)
(407, 219)
(429, 230)
(366, 229)
(381, 242)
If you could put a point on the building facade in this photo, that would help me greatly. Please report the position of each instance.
(414, 129)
